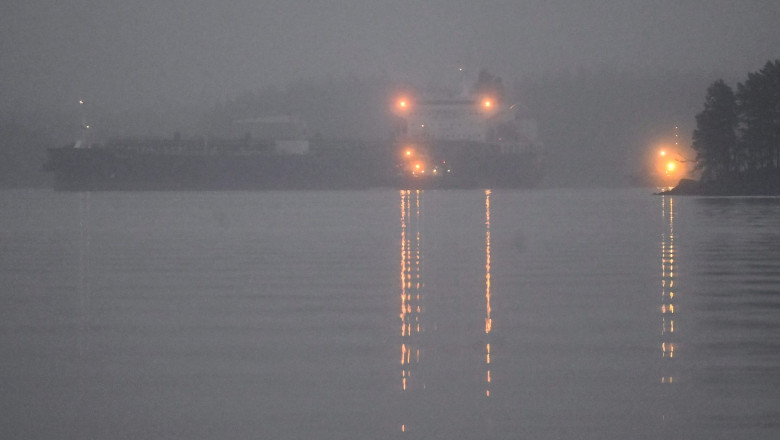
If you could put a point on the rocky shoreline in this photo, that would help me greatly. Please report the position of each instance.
(763, 183)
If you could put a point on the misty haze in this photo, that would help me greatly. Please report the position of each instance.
(403, 219)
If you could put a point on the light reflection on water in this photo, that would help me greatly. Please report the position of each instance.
(412, 287)
(488, 318)
(276, 315)
(412, 296)
(668, 290)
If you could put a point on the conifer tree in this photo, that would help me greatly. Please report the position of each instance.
(715, 136)
(758, 102)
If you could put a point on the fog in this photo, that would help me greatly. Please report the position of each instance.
(148, 67)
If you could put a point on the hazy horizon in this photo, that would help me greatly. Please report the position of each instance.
(142, 54)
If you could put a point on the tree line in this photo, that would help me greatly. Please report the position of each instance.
(738, 131)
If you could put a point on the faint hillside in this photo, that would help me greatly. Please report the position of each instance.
(345, 108)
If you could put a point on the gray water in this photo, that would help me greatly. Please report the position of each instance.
(387, 314)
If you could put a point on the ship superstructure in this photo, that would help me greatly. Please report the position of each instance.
(466, 139)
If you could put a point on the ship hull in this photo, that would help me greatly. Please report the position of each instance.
(96, 169)
(458, 164)
(102, 169)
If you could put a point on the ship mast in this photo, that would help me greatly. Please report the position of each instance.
(83, 142)
(464, 88)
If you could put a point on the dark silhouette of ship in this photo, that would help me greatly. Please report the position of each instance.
(461, 141)
(160, 164)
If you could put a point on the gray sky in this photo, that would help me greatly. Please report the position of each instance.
(136, 53)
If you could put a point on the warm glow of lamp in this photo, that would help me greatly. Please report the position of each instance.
(670, 166)
(403, 103)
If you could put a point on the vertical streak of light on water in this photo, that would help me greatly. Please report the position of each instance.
(412, 286)
(488, 318)
(669, 298)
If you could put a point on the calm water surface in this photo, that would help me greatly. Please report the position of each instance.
(389, 314)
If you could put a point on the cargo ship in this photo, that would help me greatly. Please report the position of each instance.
(456, 141)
